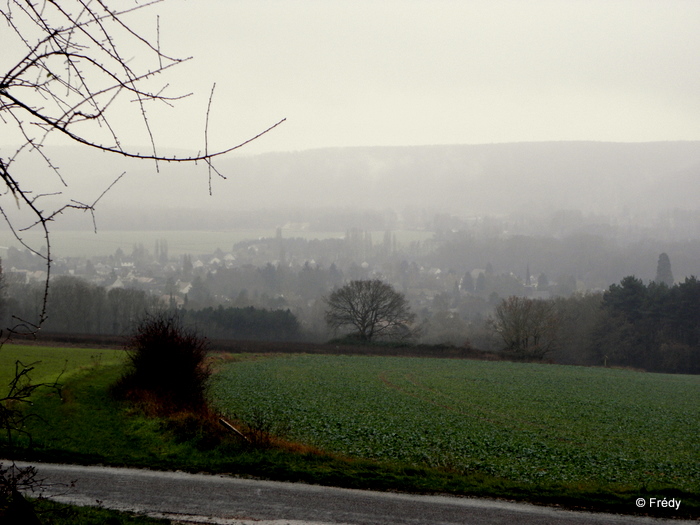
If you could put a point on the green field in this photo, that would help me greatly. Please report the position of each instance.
(578, 437)
(522, 422)
(52, 363)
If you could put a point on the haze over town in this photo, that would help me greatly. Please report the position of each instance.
(554, 139)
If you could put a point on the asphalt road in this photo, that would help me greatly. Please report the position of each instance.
(204, 498)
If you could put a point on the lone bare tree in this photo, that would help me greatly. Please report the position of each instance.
(75, 69)
(372, 308)
(527, 327)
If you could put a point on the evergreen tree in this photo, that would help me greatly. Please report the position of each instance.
(663, 271)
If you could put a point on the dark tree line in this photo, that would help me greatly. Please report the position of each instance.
(77, 306)
(245, 323)
(653, 326)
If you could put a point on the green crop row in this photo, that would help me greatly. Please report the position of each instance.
(524, 422)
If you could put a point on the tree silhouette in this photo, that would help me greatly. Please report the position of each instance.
(372, 308)
(664, 275)
(528, 327)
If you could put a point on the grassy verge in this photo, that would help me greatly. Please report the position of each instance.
(87, 426)
(53, 513)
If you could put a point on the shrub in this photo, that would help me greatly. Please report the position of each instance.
(167, 364)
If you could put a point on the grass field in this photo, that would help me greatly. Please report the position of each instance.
(523, 422)
(578, 437)
(52, 363)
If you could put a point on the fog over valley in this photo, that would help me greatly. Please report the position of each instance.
(596, 211)
(631, 184)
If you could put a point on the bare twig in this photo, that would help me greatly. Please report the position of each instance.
(72, 79)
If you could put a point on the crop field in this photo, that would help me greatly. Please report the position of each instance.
(49, 363)
(523, 422)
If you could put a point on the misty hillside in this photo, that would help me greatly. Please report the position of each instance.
(465, 180)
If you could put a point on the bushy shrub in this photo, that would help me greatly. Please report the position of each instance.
(167, 364)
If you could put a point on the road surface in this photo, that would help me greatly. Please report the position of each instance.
(204, 498)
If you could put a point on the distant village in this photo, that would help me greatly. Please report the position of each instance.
(294, 274)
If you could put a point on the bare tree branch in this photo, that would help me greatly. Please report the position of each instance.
(527, 327)
(73, 78)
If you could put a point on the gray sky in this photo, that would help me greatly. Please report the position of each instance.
(432, 72)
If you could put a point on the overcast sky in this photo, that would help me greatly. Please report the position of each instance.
(434, 72)
(420, 72)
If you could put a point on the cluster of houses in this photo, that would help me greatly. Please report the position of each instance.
(321, 265)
